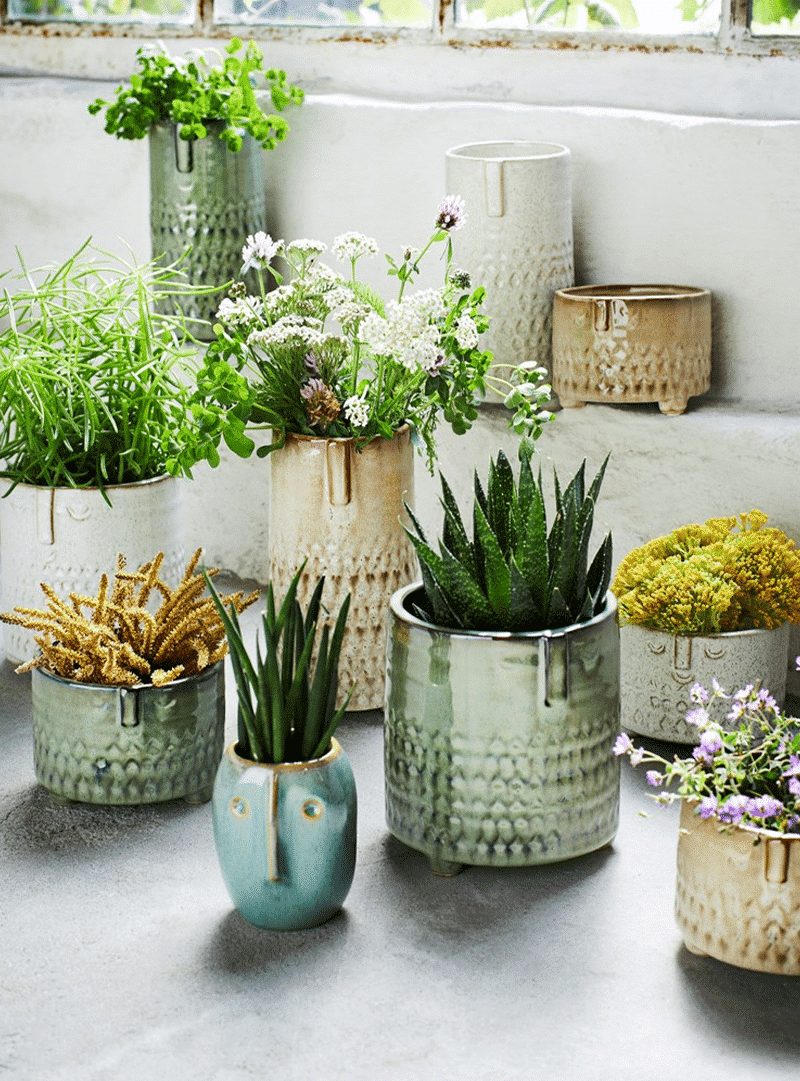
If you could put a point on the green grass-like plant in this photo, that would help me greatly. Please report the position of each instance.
(92, 378)
(512, 575)
(287, 701)
(191, 90)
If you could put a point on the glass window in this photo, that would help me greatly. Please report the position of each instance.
(644, 16)
(415, 13)
(152, 12)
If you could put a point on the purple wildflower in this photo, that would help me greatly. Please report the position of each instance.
(732, 810)
(623, 744)
(654, 778)
(697, 716)
(708, 807)
(764, 807)
(711, 741)
(698, 694)
(452, 214)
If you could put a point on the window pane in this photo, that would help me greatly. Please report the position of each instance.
(775, 17)
(153, 12)
(644, 16)
(325, 12)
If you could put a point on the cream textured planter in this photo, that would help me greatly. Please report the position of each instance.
(498, 746)
(632, 343)
(69, 537)
(658, 671)
(115, 745)
(517, 240)
(738, 894)
(342, 511)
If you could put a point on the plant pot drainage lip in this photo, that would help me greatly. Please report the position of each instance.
(198, 677)
(632, 292)
(509, 150)
(333, 752)
(398, 607)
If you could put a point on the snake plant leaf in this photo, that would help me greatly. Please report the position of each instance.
(497, 574)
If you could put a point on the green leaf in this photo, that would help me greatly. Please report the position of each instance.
(496, 572)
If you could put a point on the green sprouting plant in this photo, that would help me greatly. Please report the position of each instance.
(726, 575)
(287, 700)
(190, 90)
(92, 379)
(513, 575)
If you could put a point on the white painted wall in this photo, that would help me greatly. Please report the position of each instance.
(684, 170)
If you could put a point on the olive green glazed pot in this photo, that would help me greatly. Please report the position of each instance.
(116, 745)
(498, 746)
(286, 837)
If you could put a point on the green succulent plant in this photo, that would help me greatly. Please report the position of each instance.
(514, 575)
(287, 697)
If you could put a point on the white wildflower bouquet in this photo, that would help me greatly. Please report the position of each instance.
(745, 769)
(322, 354)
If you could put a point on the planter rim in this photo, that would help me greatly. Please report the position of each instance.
(90, 487)
(302, 437)
(717, 634)
(333, 752)
(508, 150)
(398, 608)
(632, 292)
(744, 827)
(144, 687)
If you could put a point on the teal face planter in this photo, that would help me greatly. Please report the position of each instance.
(286, 837)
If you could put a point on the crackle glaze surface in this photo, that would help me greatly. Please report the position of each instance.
(498, 748)
(517, 240)
(110, 745)
(342, 511)
(632, 343)
(205, 199)
(70, 537)
(738, 894)
(658, 670)
(286, 837)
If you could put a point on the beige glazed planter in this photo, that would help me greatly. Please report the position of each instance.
(342, 511)
(738, 894)
(658, 670)
(631, 343)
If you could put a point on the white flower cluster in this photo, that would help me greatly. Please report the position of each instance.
(353, 246)
(259, 251)
(466, 333)
(350, 314)
(240, 312)
(407, 333)
(305, 248)
(286, 329)
(356, 411)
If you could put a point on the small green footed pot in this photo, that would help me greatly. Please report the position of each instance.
(286, 837)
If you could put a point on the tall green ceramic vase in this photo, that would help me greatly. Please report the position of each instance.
(286, 837)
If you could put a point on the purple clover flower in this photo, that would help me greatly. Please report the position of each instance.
(623, 744)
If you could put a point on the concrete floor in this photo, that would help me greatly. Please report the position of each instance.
(122, 959)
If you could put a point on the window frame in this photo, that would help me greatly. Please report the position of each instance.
(734, 37)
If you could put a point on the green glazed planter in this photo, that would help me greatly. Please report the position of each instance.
(498, 746)
(116, 745)
(286, 837)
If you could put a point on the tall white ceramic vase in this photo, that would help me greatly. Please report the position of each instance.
(517, 240)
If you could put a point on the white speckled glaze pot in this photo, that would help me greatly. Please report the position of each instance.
(69, 537)
(342, 511)
(659, 669)
(498, 746)
(517, 240)
(738, 894)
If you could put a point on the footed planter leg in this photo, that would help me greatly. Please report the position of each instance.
(286, 837)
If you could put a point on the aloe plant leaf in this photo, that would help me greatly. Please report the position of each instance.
(523, 614)
(454, 534)
(557, 613)
(469, 599)
(501, 492)
(532, 550)
(498, 580)
(432, 568)
(599, 575)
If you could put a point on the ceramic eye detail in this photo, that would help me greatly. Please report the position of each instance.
(312, 810)
(239, 807)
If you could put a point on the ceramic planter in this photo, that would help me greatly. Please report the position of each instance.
(738, 894)
(632, 343)
(69, 537)
(498, 746)
(204, 201)
(658, 671)
(143, 744)
(342, 511)
(517, 240)
(286, 837)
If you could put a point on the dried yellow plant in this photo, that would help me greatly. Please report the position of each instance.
(726, 575)
(120, 642)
